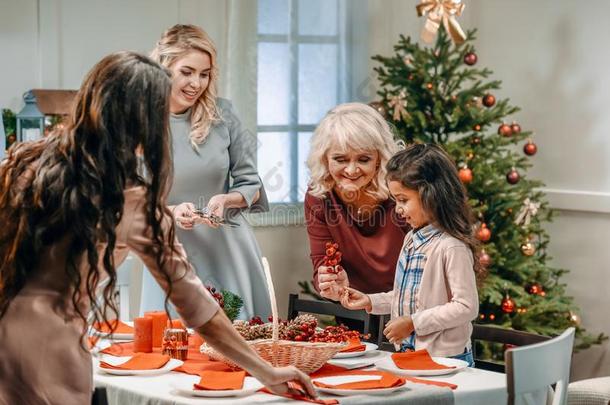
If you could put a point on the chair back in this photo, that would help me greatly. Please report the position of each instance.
(532, 369)
(297, 305)
(495, 334)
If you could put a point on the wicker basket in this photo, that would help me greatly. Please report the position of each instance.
(306, 356)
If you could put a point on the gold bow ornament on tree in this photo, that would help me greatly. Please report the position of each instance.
(446, 11)
(527, 212)
(398, 103)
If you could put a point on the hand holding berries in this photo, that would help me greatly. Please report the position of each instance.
(331, 283)
(354, 299)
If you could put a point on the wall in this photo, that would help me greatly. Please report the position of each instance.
(53, 43)
(549, 55)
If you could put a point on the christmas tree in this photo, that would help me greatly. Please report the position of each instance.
(439, 94)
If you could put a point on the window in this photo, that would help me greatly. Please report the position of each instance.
(300, 77)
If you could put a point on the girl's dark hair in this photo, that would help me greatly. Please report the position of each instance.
(68, 187)
(428, 169)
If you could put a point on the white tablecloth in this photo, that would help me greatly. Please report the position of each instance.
(475, 387)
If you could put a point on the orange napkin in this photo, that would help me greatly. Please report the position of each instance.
(195, 363)
(221, 380)
(328, 370)
(354, 345)
(140, 361)
(298, 393)
(431, 382)
(417, 360)
(387, 381)
(120, 327)
(91, 341)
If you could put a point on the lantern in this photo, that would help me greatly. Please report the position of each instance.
(41, 107)
(30, 120)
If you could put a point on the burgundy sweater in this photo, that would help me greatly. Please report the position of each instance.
(370, 249)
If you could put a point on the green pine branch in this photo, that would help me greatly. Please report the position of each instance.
(233, 304)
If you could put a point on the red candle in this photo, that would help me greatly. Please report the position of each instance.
(143, 334)
(159, 323)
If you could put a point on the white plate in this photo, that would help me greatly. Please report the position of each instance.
(354, 378)
(369, 348)
(115, 336)
(388, 365)
(251, 385)
(115, 361)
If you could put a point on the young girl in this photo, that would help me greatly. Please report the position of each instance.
(435, 296)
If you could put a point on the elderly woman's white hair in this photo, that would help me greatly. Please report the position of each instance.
(350, 126)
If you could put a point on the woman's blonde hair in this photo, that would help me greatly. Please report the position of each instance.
(177, 42)
(350, 126)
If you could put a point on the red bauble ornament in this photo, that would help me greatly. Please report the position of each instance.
(476, 140)
(505, 130)
(484, 258)
(477, 127)
(508, 305)
(489, 100)
(470, 58)
(465, 175)
(534, 289)
(513, 176)
(483, 234)
(516, 128)
(530, 148)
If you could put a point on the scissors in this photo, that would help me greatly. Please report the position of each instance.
(215, 219)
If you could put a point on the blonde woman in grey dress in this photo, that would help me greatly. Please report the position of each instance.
(214, 168)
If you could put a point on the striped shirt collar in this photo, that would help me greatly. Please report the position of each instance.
(423, 235)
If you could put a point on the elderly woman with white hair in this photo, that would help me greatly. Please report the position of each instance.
(348, 201)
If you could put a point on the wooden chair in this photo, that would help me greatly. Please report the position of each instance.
(297, 305)
(532, 369)
(496, 334)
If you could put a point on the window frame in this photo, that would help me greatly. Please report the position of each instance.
(294, 128)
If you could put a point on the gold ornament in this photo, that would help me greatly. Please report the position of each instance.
(379, 107)
(575, 318)
(399, 104)
(528, 248)
(478, 101)
(445, 11)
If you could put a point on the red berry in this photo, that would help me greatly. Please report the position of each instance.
(298, 338)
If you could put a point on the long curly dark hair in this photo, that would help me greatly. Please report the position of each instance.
(68, 187)
(428, 169)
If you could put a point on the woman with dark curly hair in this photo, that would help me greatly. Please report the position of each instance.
(72, 205)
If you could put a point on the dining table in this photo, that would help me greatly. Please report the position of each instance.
(474, 387)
